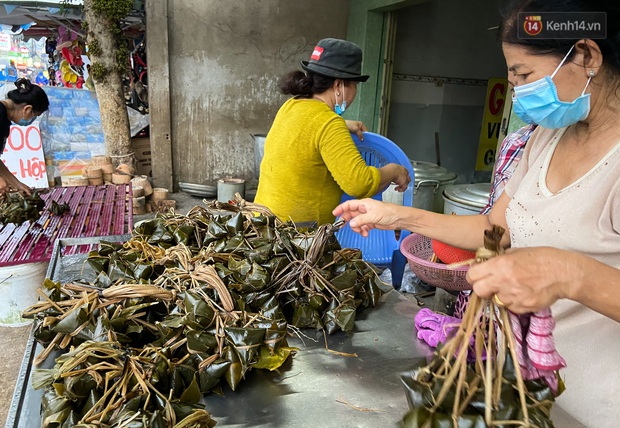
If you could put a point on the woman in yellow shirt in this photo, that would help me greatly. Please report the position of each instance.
(310, 158)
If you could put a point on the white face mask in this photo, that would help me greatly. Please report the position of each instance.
(340, 108)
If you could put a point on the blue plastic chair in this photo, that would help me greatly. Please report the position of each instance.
(381, 247)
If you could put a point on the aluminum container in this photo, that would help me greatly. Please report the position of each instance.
(430, 182)
(466, 199)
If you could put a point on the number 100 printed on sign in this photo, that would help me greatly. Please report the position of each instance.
(23, 156)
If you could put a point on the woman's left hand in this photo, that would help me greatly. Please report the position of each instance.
(524, 279)
(11, 183)
(366, 214)
(356, 127)
(21, 187)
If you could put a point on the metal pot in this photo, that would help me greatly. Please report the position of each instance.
(466, 199)
(430, 182)
(259, 151)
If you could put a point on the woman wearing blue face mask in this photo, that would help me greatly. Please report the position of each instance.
(561, 209)
(310, 158)
(22, 107)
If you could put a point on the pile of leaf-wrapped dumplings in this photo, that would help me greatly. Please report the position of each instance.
(188, 302)
(17, 208)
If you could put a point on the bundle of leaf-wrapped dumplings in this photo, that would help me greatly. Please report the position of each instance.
(451, 391)
(188, 302)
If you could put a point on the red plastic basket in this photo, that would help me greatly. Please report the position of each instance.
(449, 254)
(418, 251)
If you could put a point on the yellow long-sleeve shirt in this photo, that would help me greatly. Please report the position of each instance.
(310, 160)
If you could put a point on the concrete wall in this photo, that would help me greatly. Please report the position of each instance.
(448, 38)
(225, 60)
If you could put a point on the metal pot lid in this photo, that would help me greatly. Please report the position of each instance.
(427, 171)
(200, 190)
(475, 195)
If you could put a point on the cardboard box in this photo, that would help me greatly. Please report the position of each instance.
(142, 152)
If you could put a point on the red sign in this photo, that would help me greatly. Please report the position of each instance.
(497, 98)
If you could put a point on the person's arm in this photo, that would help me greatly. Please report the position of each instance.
(9, 181)
(343, 159)
(460, 231)
(530, 279)
(345, 163)
(391, 173)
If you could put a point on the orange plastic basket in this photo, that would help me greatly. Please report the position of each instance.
(418, 251)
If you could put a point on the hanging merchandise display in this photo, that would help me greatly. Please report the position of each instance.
(138, 97)
(71, 65)
(64, 51)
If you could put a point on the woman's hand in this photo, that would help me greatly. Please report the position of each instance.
(394, 173)
(401, 177)
(9, 182)
(21, 187)
(356, 127)
(4, 186)
(366, 214)
(524, 279)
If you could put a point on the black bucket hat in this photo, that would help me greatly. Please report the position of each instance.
(338, 59)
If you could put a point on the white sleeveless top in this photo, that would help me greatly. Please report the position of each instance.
(583, 217)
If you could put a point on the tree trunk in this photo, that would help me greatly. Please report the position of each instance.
(108, 85)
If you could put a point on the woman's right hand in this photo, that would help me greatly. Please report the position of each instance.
(9, 182)
(401, 178)
(394, 173)
(4, 186)
(366, 214)
(525, 279)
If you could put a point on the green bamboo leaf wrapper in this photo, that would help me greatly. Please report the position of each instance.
(305, 316)
(42, 378)
(260, 254)
(71, 421)
(192, 393)
(161, 235)
(198, 341)
(234, 224)
(210, 377)
(79, 387)
(199, 314)
(234, 372)
(71, 322)
(246, 341)
(55, 409)
(272, 361)
(345, 280)
(184, 234)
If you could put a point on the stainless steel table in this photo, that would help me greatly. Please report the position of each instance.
(320, 389)
(316, 388)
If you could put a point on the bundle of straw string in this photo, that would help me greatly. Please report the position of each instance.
(459, 380)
